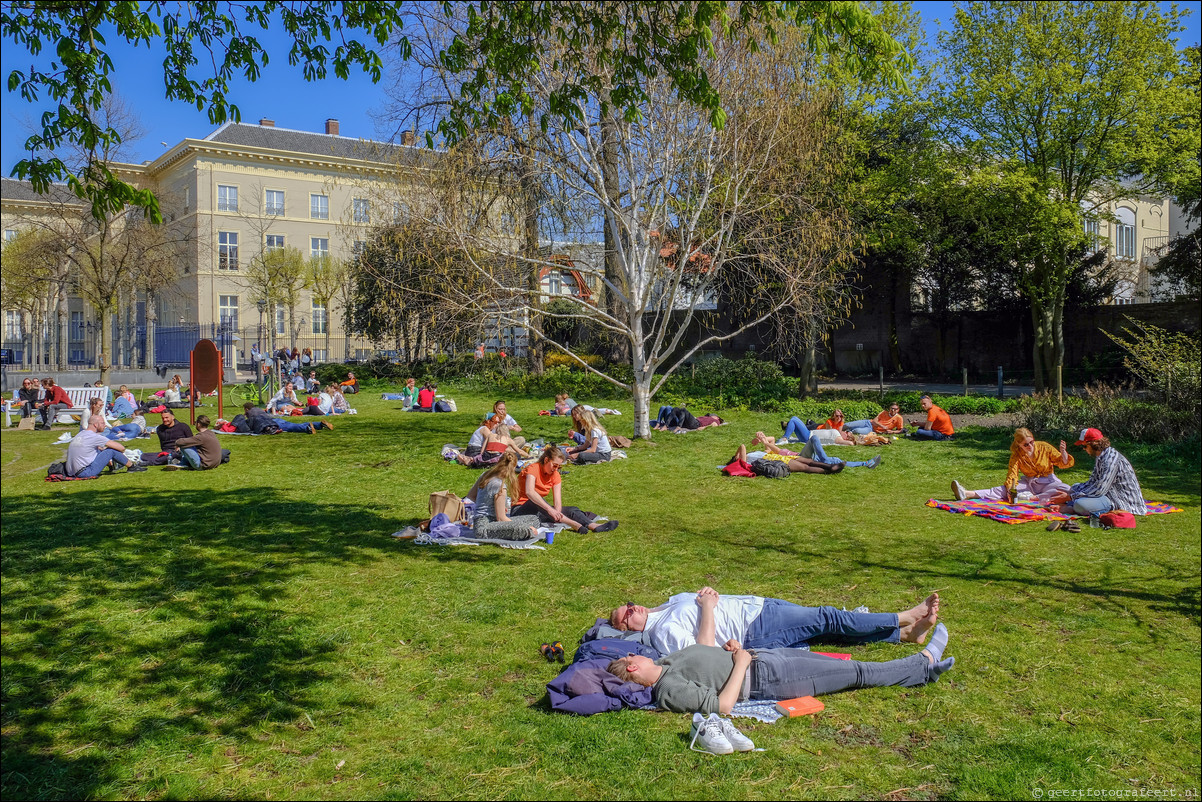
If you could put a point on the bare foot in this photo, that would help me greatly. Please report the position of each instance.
(916, 622)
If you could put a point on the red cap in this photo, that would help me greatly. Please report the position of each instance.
(1088, 436)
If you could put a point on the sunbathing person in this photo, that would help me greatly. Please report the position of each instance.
(766, 623)
(542, 477)
(813, 451)
(797, 432)
(1032, 471)
(679, 419)
(889, 421)
(837, 422)
(708, 679)
(595, 446)
(490, 493)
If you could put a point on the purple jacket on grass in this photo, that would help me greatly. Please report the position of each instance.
(586, 688)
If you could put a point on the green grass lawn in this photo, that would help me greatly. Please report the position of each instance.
(254, 632)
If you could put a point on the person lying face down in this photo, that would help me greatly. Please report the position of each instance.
(763, 623)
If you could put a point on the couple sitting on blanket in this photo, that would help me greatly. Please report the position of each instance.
(760, 656)
(530, 507)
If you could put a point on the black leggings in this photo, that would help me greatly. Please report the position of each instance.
(574, 513)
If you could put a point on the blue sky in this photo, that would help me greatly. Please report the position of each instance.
(280, 94)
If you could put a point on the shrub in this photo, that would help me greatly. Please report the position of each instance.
(557, 359)
(1114, 410)
(1166, 363)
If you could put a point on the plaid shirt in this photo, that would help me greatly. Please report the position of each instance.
(1113, 478)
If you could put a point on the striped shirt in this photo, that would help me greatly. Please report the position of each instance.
(1113, 478)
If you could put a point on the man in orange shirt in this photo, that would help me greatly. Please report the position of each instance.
(938, 423)
(889, 421)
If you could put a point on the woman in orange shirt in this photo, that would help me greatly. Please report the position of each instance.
(1032, 471)
(542, 477)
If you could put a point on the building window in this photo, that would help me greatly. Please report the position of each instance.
(319, 318)
(10, 234)
(362, 210)
(12, 325)
(279, 321)
(228, 311)
(227, 250)
(554, 283)
(319, 207)
(274, 202)
(399, 212)
(358, 246)
(1125, 241)
(227, 198)
(319, 247)
(275, 242)
(1092, 235)
(77, 327)
(319, 355)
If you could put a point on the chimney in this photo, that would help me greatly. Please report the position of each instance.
(332, 127)
(266, 123)
(407, 139)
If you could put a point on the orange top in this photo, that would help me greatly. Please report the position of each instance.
(888, 423)
(349, 383)
(543, 481)
(1044, 460)
(830, 424)
(940, 421)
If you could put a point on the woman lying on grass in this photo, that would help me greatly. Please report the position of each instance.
(709, 679)
(542, 477)
(491, 492)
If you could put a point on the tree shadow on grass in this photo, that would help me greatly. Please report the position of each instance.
(132, 612)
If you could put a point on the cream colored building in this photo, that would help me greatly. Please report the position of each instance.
(239, 191)
(1131, 230)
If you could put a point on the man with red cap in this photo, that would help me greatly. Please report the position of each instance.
(1111, 486)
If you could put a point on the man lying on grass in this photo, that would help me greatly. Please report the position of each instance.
(762, 623)
(707, 679)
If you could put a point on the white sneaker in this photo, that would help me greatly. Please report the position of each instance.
(65, 437)
(134, 455)
(958, 490)
(738, 740)
(709, 737)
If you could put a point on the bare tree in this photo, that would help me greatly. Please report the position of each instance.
(693, 211)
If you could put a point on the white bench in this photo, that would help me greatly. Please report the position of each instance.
(80, 397)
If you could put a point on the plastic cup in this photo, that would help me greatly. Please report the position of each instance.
(550, 537)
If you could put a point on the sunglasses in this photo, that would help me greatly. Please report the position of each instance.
(626, 616)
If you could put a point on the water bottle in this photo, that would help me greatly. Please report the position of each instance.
(1095, 522)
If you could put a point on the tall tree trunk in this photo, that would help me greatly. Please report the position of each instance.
(894, 345)
(62, 314)
(641, 386)
(152, 317)
(1041, 326)
(534, 284)
(104, 355)
(614, 274)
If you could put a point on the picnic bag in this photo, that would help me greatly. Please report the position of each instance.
(445, 501)
(618, 441)
(442, 405)
(1119, 519)
(773, 469)
(738, 467)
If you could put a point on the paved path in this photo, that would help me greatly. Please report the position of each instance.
(1010, 390)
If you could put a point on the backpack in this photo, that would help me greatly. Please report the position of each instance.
(773, 469)
(57, 469)
(442, 406)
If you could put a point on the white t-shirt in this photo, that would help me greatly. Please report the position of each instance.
(327, 404)
(83, 449)
(602, 441)
(477, 440)
(674, 626)
(826, 436)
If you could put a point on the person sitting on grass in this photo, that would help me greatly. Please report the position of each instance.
(938, 423)
(1032, 471)
(542, 477)
(490, 492)
(124, 404)
(312, 384)
(563, 405)
(200, 453)
(285, 400)
(350, 385)
(889, 421)
(425, 397)
(500, 414)
(338, 400)
(1111, 486)
(409, 394)
(595, 447)
(708, 679)
(837, 422)
(767, 623)
(797, 432)
(496, 442)
(90, 452)
(123, 431)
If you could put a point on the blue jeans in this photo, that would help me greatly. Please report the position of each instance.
(929, 434)
(125, 430)
(814, 451)
(859, 427)
(289, 426)
(782, 624)
(797, 431)
(192, 457)
(789, 673)
(1092, 505)
(103, 458)
(122, 408)
(662, 418)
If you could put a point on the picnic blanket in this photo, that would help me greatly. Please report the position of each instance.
(1023, 512)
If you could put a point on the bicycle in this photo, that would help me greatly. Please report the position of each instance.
(246, 392)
